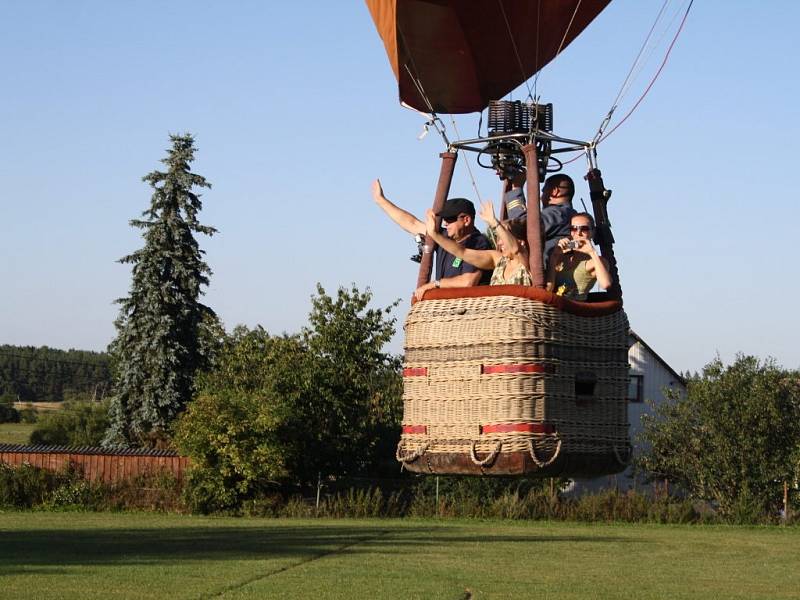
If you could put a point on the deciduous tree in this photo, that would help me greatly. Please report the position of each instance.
(733, 439)
(287, 408)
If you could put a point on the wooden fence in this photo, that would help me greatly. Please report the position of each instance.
(96, 463)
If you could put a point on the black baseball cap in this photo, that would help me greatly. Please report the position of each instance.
(456, 206)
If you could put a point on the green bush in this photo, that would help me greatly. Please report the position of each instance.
(298, 508)
(265, 505)
(73, 493)
(27, 486)
(281, 410)
(28, 415)
(207, 491)
(732, 440)
(8, 414)
(358, 503)
(157, 490)
(75, 424)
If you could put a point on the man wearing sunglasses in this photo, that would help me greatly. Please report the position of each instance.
(557, 211)
(458, 222)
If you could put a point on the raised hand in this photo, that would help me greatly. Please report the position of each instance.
(377, 190)
(565, 244)
(585, 246)
(486, 213)
(430, 222)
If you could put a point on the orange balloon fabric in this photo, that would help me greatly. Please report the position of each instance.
(464, 53)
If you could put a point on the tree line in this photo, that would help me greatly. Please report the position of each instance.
(30, 374)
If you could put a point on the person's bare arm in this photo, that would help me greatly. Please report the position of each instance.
(483, 259)
(402, 217)
(555, 258)
(459, 281)
(488, 216)
(463, 280)
(597, 265)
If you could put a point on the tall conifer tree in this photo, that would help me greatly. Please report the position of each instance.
(163, 328)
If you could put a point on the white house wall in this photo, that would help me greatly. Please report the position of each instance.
(656, 377)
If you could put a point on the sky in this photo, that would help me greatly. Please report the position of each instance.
(294, 109)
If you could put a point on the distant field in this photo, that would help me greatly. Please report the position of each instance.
(15, 433)
(77, 555)
(39, 406)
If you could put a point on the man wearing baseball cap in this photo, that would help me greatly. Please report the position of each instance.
(458, 220)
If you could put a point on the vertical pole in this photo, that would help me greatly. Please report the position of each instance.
(442, 189)
(785, 502)
(603, 236)
(319, 487)
(437, 496)
(534, 220)
(506, 188)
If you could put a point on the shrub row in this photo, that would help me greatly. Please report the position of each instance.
(32, 487)
(606, 506)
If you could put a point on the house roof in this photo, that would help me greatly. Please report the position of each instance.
(664, 363)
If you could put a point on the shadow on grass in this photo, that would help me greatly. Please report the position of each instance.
(28, 549)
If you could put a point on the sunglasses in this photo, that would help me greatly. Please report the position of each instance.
(449, 220)
(580, 228)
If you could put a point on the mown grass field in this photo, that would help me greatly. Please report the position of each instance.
(15, 433)
(87, 555)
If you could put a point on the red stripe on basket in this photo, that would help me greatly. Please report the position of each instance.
(518, 427)
(516, 368)
(415, 429)
(415, 372)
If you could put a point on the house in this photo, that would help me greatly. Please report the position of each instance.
(650, 376)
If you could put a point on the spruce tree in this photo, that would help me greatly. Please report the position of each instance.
(163, 330)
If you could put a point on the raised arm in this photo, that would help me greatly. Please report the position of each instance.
(555, 258)
(598, 266)
(483, 259)
(402, 217)
(509, 241)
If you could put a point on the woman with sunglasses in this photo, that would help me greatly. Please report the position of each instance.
(575, 266)
(508, 263)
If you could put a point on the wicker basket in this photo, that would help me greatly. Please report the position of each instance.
(514, 380)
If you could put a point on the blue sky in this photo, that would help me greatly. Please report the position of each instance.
(294, 109)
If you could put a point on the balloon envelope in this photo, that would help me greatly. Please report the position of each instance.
(464, 53)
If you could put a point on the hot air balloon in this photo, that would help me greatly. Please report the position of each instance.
(505, 380)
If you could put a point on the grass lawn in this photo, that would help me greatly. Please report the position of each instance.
(130, 555)
(15, 433)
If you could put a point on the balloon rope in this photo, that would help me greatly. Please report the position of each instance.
(563, 40)
(660, 68)
(638, 56)
(415, 78)
(636, 68)
(466, 162)
(538, 29)
(603, 137)
(654, 45)
(516, 51)
(569, 26)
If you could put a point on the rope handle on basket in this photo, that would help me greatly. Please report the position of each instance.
(627, 460)
(410, 457)
(535, 458)
(489, 459)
